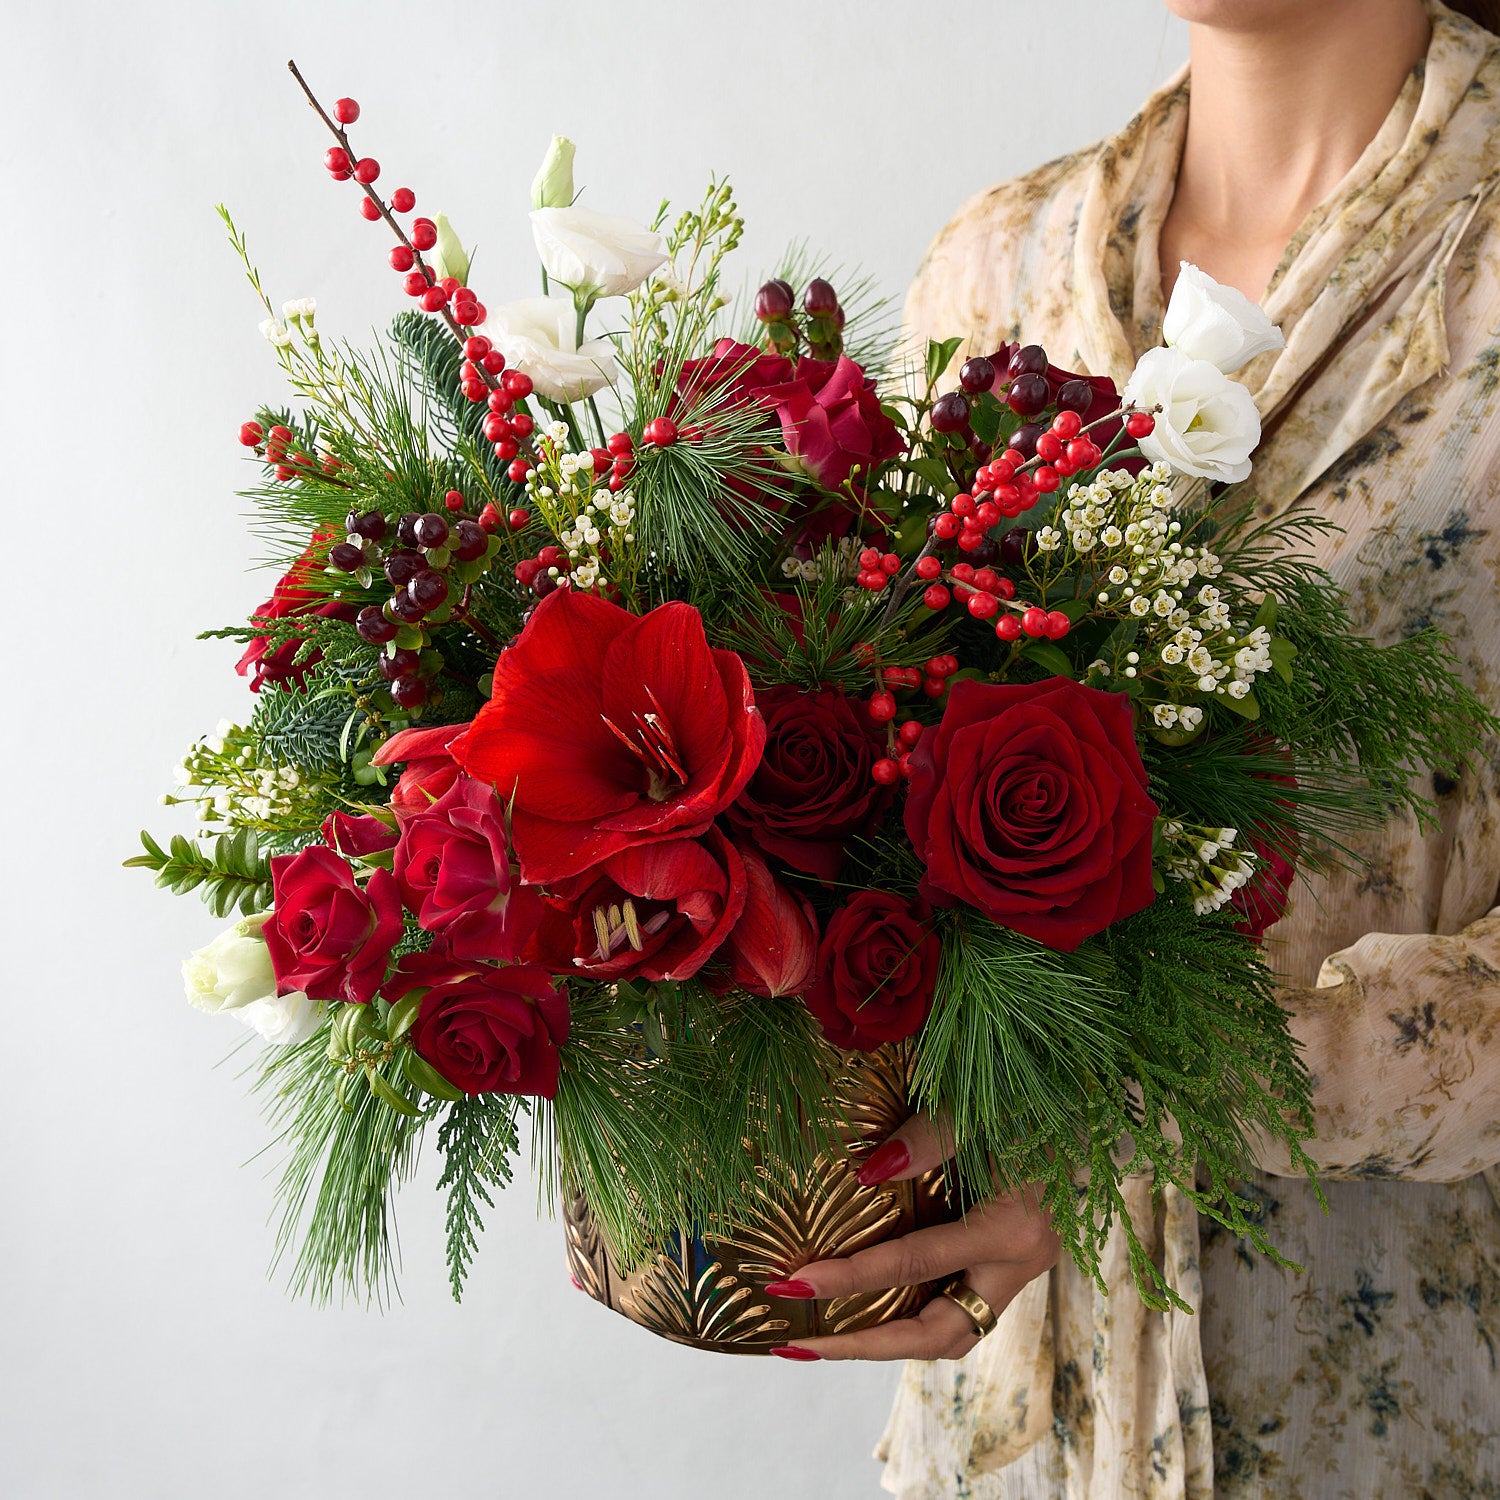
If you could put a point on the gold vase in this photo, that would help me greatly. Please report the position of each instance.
(710, 1293)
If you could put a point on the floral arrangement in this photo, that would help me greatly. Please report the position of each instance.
(664, 699)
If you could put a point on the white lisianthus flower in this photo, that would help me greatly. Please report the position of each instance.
(593, 253)
(232, 971)
(1217, 323)
(282, 1020)
(1206, 424)
(538, 335)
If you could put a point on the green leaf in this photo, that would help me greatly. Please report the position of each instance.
(1247, 707)
(403, 1013)
(934, 471)
(1283, 654)
(940, 354)
(383, 1090)
(427, 1078)
(1049, 658)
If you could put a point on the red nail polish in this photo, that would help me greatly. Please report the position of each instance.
(884, 1162)
(798, 1291)
(791, 1351)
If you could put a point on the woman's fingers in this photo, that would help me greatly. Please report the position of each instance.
(918, 1146)
(942, 1330)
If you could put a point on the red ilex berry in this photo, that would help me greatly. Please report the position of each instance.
(494, 361)
(603, 458)
(934, 687)
(661, 431)
(518, 519)
(863, 652)
(476, 346)
(517, 383)
(937, 666)
(984, 480)
(970, 539)
(336, 159)
(345, 111)
(935, 596)
(522, 425)
(1045, 479)
(882, 707)
(1065, 468)
(1083, 454)
(1066, 424)
(506, 449)
(946, 527)
(1034, 620)
(929, 568)
(963, 572)
(403, 200)
(475, 390)
(891, 564)
(450, 284)
(1008, 628)
(619, 442)
(903, 677)
(423, 234)
(284, 473)
(495, 428)
(886, 771)
(489, 518)
(872, 579)
(276, 443)
(250, 434)
(987, 516)
(1049, 446)
(526, 571)
(624, 466)
(500, 401)
(434, 299)
(454, 500)
(366, 170)
(869, 558)
(401, 258)
(986, 579)
(1058, 625)
(369, 209)
(907, 765)
(1140, 424)
(962, 505)
(983, 606)
(518, 470)
(909, 733)
(416, 284)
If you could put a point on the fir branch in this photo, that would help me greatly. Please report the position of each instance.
(232, 873)
(478, 1140)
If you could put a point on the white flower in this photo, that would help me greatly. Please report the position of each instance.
(538, 335)
(597, 253)
(273, 332)
(1216, 323)
(552, 187)
(1206, 425)
(283, 1020)
(233, 970)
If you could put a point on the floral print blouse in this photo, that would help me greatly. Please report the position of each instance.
(1373, 1373)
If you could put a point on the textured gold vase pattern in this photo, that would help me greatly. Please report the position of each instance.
(710, 1292)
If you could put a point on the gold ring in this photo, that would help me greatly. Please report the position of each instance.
(977, 1310)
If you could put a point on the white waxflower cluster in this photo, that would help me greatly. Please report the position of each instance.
(845, 562)
(594, 524)
(1205, 859)
(231, 788)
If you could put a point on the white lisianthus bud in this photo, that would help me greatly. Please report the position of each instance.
(448, 256)
(1206, 424)
(1217, 323)
(552, 187)
(233, 970)
(538, 335)
(282, 1020)
(594, 254)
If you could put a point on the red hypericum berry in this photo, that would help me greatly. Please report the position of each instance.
(336, 159)
(282, 472)
(886, 771)
(987, 515)
(662, 431)
(494, 361)
(983, 606)
(366, 170)
(518, 470)
(929, 568)
(369, 209)
(250, 434)
(909, 733)
(401, 258)
(1140, 424)
(1049, 446)
(522, 425)
(962, 505)
(476, 346)
(403, 200)
(518, 519)
(1034, 620)
(423, 234)
(1045, 479)
(934, 687)
(619, 442)
(1067, 424)
(882, 706)
(500, 401)
(416, 284)
(869, 558)
(526, 571)
(1058, 625)
(506, 449)
(549, 556)
(1008, 628)
(891, 563)
(434, 299)
(517, 383)
(489, 518)
(454, 500)
(345, 111)
(624, 466)
(935, 596)
(946, 527)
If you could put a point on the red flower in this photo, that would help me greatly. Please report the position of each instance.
(732, 373)
(611, 730)
(1263, 901)
(773, 948)
(654, 911)
(1029, 802)
(813, 789)
(487, 1029)
(295, 594)
(430, 769)
(328, 935)
(453, 867)
(356, 836)
(877, 965)
(831, 420)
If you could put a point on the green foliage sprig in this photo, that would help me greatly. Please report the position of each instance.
(231, 872)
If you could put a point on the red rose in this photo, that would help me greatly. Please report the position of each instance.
(329, 935)
(488, 1029)
(453, 867)
(813, 789)
(295, 594)
(430, 769)
(355, 836)
(654, 911)
(1029, 802)
(877, 965)
(1263, 901)
(831, 420)
(732, 373)
(773, 948)
(611, 730)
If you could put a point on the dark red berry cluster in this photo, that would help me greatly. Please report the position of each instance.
(821, 326)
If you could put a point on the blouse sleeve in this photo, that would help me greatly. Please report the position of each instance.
(1402, 1035)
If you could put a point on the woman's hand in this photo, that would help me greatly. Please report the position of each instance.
(999, 1246)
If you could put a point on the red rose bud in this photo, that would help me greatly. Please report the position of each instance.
(430, 769)
(357, 836)
(773, 948)
(832, 422)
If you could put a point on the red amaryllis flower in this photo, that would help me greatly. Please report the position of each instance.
(453, 867)
(295, 594)
(877, 965)
(831, 420)
(430, 769)
(654, 911)
(487, 1028)
(330, 936)
(813, 789)
(773, 948)
(610, 730)
(1029, 802)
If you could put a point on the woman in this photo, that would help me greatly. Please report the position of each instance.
(1340, 163)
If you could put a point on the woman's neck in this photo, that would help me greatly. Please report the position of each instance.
(1276, 117)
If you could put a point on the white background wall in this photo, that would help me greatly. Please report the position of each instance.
(144, 1355)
